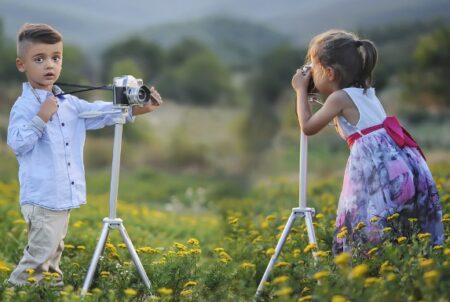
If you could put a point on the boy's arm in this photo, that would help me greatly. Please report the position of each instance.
(24, 130)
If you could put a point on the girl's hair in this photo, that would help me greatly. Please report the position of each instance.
(36, 33)
(352, 59)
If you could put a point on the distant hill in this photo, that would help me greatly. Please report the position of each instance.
(87, 22)
(233, 40)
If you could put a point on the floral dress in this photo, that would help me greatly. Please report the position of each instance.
(386, 189)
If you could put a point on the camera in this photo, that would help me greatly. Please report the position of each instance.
(311, 87)
(129, 91)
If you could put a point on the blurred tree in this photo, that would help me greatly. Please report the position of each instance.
(427, 79)
(196, 75)
(124, 67)
(147, 56)
(75, 65)
(272, 78)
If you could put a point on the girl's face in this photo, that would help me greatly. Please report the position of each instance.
(324, 78)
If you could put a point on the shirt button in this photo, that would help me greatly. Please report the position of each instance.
(68, 164)
(67, 144)
(73, 182)
(62, 124)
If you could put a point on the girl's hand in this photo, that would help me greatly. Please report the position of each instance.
(301, 79)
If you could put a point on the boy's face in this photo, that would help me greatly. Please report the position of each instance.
(42, 64)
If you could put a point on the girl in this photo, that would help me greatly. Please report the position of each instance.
(386, 177)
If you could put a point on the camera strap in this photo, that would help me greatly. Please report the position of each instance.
(83, 88)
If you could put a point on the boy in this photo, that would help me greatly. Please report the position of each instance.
(47, 136)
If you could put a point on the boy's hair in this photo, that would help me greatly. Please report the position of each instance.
(352, 59)
(36, 33)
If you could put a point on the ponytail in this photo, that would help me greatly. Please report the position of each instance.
(369, 56)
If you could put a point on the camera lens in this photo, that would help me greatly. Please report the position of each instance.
(144, 94)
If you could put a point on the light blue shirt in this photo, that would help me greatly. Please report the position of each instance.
(50, 155)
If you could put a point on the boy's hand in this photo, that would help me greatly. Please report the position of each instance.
(48, 108)
(153, 104)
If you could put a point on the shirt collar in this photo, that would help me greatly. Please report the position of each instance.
(43, 94)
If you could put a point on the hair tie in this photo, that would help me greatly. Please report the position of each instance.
(358, 43)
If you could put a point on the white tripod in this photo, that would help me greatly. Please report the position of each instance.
(301, 211)
(112, 222)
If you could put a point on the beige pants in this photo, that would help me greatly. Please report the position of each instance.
(46, 232)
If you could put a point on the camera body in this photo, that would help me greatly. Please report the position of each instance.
(311, 87)
(129, 91)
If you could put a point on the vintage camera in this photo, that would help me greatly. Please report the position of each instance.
(129, 91)
(311, 87)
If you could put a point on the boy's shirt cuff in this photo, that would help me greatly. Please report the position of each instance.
(37, 125)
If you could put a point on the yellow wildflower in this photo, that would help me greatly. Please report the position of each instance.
(431, 276)
(321, 275)
(423, 236)
(359, 271)
(371, 280)
(342, 259)
(305, 298)
(69, 246)
(30, 271)
(393, 216)
(447, 252)
(401, 239)
(360, 226)
(186, 293)
(270, 252)
(280, 279)
(180, 246)
(282, 264)
(338, 298)
(122, 245)
(387, 229)
(130, 292)
(32, 280)
(425, 263)
(193, 241)
(165, 291)
(309, 247)
(104, 274)
(190, 283)
(374, 219)
(391, 277)
(322, 254)
(372, 251)
(286, 291)
(233, 220)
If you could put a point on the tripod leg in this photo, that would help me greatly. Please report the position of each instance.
(98, 251)
(135, 256)
(310, 229)
(278, 248)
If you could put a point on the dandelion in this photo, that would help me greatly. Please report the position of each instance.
(224, 257)
(393, 216)
(322, 254)
(309, 247)
(165, 291)
(387, 229)
(81, 247)
(270, 252)
(190, 283)
(286, 291)
(372, 251)
(130, 292)
(4, 268)
(104, 274)
(296, 253)
(447, 252)
(370, 281)
(186, 293)
(280, 279)
(321, 275)
(374, 219)
(386, 267)
(233, 220)
(338, 298)
(431, 276)
(412, 220)
(358, 271)
(360, 226)
(319, 216)
(423, 236)
(193, 241)
(195, 251)
(401, 239)
(342, 259)
(122, 245)
(305, 290)
(305, 298)
(180, 246)
(218, 250)
(342, 233)
(32, 280)
(270, 218)
(29, 271)
(391, 277)
(282, 264)
(426, 263)
(438, 247)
